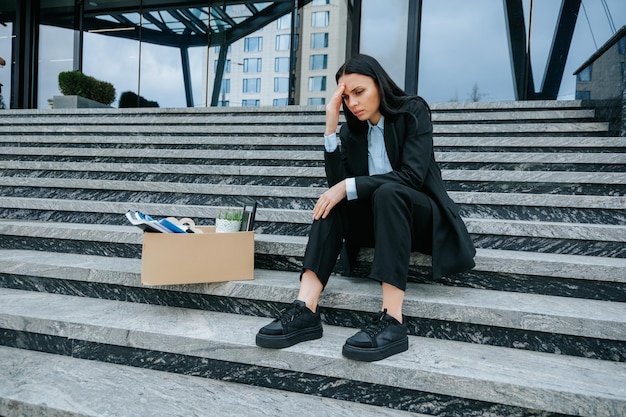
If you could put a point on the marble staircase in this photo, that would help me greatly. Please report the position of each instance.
(538, 328)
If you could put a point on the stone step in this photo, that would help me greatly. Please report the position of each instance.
(504, 206)
(60, 194)
(484, 180)
(487, 379)
(560, 128)
(443, 106)
(91, 388)
(291, 155)
(491, 176)
(128, 234)
(521, 116)
(545, 323)
(542, 144)
(530, 236)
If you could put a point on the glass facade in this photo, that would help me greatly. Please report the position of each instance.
(184, 53)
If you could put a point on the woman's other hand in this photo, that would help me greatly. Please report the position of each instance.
(329, 199)
(332, 109)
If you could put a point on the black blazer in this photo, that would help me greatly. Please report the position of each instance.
(409, 144)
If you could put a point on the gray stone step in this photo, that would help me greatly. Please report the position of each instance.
(564, 177)
(523, 116)
(593, 239)
(531, 142)
(590, 239)
(483, 180)
(304, 129)
(444, 106)
(86, 388)
(525, 312)
(229, 154)
(490, 260)
(127, 234)
(472, 375)
(527, 143)
(264, 193)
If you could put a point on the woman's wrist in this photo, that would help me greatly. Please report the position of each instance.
(330, 129)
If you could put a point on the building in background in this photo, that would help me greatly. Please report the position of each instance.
(257, 67)
(602, 76)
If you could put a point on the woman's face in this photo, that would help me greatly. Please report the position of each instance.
(361, 96)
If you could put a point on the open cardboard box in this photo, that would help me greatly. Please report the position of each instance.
(191, 258)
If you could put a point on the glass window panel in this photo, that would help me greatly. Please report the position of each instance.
(384, 35)
(281, 64)
(253, 44)
(56, 55)
(317, 83)
(585, 75)
(280, 102)
(250, 103)
(319, 62)
(226, 66)
(320, 19)
(583, 95)
(6, 39)
(252, 65)
(251, 85)
(281, 84)
(316, 101)
(319, 40)
(225, 86)
(284, 22)
(167, 88)
(282, 42)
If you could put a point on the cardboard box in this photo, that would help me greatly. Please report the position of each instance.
(191, 258)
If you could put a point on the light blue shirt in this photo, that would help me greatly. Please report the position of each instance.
(377, 158)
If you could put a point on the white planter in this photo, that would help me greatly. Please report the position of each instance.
(75, 102)
(227, 226)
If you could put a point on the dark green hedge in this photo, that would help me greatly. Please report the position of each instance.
(75, 83)
(130, 99)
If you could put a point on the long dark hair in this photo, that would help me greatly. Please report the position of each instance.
(392, 97)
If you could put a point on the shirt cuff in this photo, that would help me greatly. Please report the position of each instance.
(330, 142)
(351, 189)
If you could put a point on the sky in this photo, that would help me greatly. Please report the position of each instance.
(463, 45)
(451, 64)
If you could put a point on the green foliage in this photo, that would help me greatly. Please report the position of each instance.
(235, 215)
(75, 83)
(130, 99)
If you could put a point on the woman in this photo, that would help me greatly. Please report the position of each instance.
(386, 192)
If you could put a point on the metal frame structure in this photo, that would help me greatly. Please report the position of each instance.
(519, 48)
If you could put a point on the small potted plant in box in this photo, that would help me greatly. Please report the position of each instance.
(228, 221)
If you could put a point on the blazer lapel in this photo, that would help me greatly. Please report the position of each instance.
(391, 142)
(359, 157)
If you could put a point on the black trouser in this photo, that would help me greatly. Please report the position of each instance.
(395, 221)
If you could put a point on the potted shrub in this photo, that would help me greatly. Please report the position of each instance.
(228, 221)
(75, 83)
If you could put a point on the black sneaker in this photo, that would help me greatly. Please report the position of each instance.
(379, 340)
(296, 324)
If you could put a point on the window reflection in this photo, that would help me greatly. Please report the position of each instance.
(168, 56)
(6, 38)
